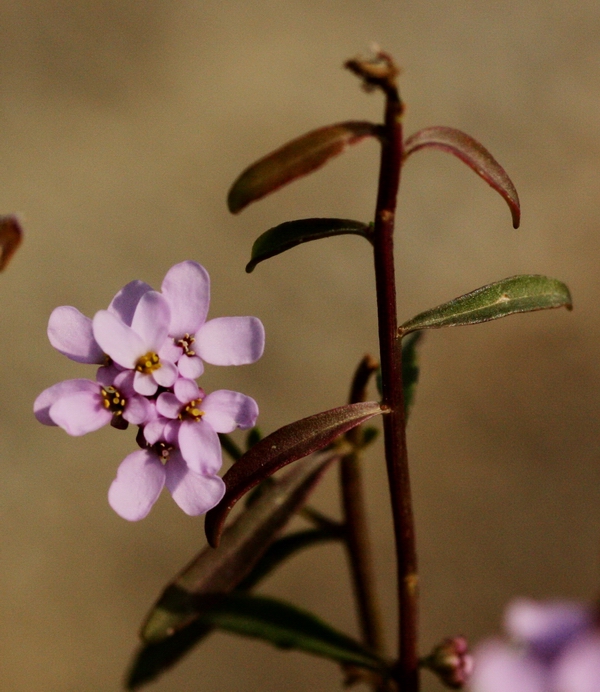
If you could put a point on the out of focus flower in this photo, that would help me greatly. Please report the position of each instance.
(552, 647)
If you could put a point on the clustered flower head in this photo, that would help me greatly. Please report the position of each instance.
(553, 647)
(150, 347)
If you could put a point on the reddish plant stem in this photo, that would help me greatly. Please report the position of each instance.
(356, 532)
(394, 424)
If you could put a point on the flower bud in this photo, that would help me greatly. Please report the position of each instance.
(451, 662)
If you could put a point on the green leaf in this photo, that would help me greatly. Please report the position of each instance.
(292, 233)
(292, 442)
(284, 548)
(288, 627)
(156, 657)
(242, 545)
(474, 154)
(295, 159)
(524, 293)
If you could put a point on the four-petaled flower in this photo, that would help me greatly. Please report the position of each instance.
(150, 346)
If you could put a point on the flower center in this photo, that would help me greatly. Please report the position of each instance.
(186, 344)
(148, 363)
(113, 400)
(163, 450)
(192, 410)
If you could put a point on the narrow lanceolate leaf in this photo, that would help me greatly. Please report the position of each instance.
(296, 158)
(524, 293)
(242, 545)
(294, 441)
(11, 236)
(288, 627)
(155, 658)
(291, 233)
(474, 154)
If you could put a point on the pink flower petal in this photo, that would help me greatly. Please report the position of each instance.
(106, 374)
(168, 405)
(123, 305)
(190, 367)
(546, 626)
(140, 479)
(499, 668)
(225, 411)
(578, 669)
(154, 431)
(137, 410)
(71, 334)
(80, 413)
(151, 321)
(195, 494)
(44, 401)
(186, 287)
(144, 384)
(166, 375)
(118, 340)
(186, 390)
(200, 447)
(230, 340)
(170, 351)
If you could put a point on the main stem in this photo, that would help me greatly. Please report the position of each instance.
(394, 423)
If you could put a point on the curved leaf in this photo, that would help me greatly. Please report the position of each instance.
(11, 236)
(294, 441)
(524, 293)
(288, 627)
(291, 233)
(474, 154)
(299, 157)
(243, 543)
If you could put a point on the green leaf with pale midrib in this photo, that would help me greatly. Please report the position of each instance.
(286, 626)
(292, 233)
(525, 293)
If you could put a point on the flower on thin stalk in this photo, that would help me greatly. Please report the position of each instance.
(143, 343)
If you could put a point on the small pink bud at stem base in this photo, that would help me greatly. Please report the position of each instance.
(451, 662)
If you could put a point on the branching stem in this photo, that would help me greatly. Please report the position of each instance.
(374, 74)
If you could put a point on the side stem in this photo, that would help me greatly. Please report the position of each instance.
(355, 522)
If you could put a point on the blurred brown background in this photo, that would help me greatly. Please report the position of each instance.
(123, 124)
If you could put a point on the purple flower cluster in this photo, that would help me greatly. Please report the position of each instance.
(553, 647)
(151, 347)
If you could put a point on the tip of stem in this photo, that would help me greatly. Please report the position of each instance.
(376, 72)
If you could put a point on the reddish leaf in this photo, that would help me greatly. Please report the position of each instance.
(474, 154)
(11, 236)
(285, 445)
(293, 160)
